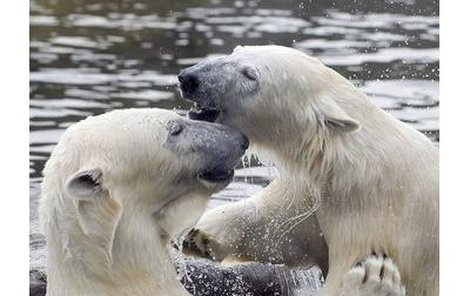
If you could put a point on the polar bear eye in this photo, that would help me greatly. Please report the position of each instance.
(250, 73)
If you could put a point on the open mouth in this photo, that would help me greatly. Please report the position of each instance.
(217, 176)
(199, 112)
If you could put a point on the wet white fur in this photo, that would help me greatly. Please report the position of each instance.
(376, 188)
(114, 241)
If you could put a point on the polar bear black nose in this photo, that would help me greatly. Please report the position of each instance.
(189, 81)
(174, 127)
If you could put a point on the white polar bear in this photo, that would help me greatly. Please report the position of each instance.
(352, 176)
(117, 187)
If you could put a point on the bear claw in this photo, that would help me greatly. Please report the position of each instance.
(200, 244)
(376, 275)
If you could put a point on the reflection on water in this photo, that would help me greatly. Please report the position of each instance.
(90, 56)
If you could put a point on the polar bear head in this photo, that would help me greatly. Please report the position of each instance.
(119, 185)
(268, 91)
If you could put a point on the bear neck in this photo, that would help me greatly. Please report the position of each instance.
(141, 264)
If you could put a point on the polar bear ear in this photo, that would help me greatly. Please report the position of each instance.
(86, 184)
(333, 117)
(98, 213)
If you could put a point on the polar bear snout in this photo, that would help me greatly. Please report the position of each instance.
(191, 85)
(189, 82)
(214, 149)
(218, 86)
(198, 85)
(207, 136)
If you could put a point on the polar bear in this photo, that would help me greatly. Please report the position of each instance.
(355, 185)
(117, 187)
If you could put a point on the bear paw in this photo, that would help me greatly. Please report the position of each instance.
(200, 244)
(377, 275)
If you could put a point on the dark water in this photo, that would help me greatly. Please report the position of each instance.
(90, 56)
